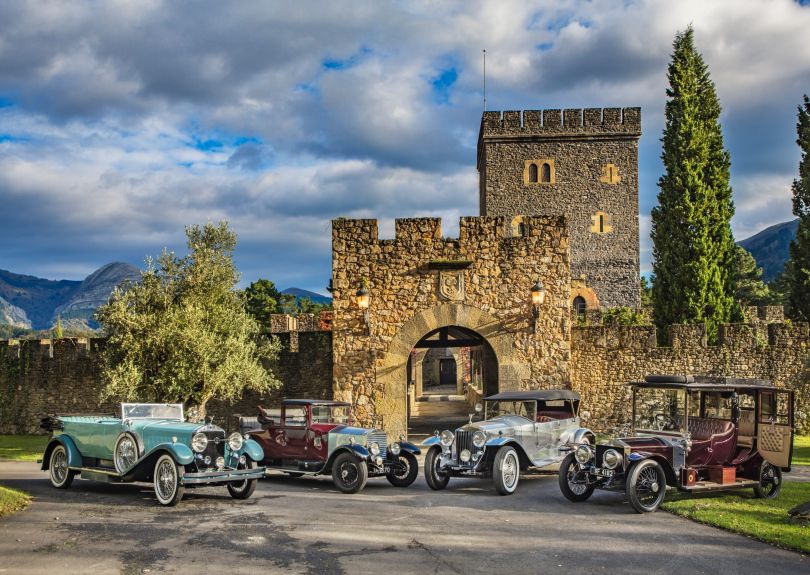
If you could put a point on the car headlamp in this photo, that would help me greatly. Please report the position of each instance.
(235, 441)
(447, 438)
(465, 455)
(583, 453)
(479, 439)
(220, 462)
(395, 448)
(611, 458)
(374, 448)
(378, 460)
(199, 442)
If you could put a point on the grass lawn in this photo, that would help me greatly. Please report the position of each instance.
(801, 450)
(741, 512)
(22, 447)
(12, 501)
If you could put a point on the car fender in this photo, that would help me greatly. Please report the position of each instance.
(431, 441)
(252, 449)
(638, 456)
(409, 447)
(577, 436)
(73, 455)
(499, 441)
(180, 451)
(492, 446)
(357, 450)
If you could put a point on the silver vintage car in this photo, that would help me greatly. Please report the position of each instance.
(520, 430)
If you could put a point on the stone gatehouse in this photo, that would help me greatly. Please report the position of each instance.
(420, 282)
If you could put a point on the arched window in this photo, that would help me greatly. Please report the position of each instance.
(579, 305)
(519, 227)
(533, 173)
(545, 173)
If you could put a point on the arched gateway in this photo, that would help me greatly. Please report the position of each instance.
(393, 296)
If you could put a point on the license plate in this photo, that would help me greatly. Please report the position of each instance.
(387, 470)
(599, 472)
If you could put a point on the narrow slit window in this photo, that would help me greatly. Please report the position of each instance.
(533, 173)
(545, 173)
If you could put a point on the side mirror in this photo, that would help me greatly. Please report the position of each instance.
(479, 407)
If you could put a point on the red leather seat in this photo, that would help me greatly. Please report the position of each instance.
(713, 441)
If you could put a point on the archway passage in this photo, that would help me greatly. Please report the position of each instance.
(444, 367)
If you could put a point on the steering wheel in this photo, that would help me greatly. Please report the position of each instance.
(660, 421)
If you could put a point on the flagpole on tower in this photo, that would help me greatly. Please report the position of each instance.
(485, 80)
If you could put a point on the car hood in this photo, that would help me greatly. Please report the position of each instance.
(496, 424)
(349, 430)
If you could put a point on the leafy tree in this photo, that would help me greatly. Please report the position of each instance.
(306, 305)
(624, 316)
(749, 289)
(58, 332)
(262, 299)
(646, 294)
(797, 269)
(182, 334)
(693, 247)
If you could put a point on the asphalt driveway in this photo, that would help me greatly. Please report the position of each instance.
(307, 526)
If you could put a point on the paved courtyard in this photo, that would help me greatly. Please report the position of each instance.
(306, 526)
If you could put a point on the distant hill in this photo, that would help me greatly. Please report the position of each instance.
(771, 248)
(310, 295)
(29, 301)
(94, 292)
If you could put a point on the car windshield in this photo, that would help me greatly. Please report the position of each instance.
(330, 414)
(152, 411)
(523, 408)
(659, 409)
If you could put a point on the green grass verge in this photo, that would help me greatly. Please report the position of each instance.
(801, 450)
(12, 501)
(22, 447)
(741, 512)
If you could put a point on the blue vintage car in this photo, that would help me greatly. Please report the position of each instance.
(151, 443)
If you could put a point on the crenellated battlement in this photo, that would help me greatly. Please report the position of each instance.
(472, 231)
(691, 337)
(587, 121)
(288, 323)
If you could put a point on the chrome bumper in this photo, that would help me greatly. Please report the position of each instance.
(224, 476)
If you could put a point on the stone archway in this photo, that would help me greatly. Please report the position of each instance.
(391, 370)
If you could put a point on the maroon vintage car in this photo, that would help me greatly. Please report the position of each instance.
(315, 437)
(694, 434)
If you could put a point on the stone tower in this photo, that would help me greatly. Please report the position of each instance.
(582, 164)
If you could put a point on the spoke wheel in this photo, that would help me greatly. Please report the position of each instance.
(167, 477)
(770, 481)
(126, 453)
(506, 470)
(245, 488)
(435, 477)
(349, 474)
(573, 485)
(646, 486)
(406, 476)
(61, 475)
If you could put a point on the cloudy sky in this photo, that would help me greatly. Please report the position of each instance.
(123, 121)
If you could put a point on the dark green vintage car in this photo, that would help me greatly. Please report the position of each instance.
(151, 443)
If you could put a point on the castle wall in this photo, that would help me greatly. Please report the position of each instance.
(39, 377)
(581, 144)
(487, 279)
(605, 358)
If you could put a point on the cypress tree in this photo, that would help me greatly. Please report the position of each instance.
(798, 266)
(693, 247)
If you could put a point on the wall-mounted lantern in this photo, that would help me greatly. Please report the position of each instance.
(363, 301)
(538, 297)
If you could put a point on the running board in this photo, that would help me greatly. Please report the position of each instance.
(711, 486)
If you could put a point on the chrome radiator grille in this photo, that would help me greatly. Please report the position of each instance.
(382, 441)
(464, 440)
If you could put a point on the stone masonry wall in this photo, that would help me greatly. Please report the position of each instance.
(605, 358)
(38, 377)
(403, 275)
(581, 143)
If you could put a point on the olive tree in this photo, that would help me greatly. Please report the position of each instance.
(182, 333)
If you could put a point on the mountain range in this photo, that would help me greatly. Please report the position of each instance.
(306, 294)
(771, 247)
(35, 303)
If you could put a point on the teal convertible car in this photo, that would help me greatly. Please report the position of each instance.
(151, 443)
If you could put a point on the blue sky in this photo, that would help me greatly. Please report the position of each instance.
(123, 122)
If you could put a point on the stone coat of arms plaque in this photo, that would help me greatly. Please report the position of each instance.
(451, 285)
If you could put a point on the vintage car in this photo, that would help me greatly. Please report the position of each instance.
(152, 443)
(694, 434)
(315, 437)
(520, 430)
